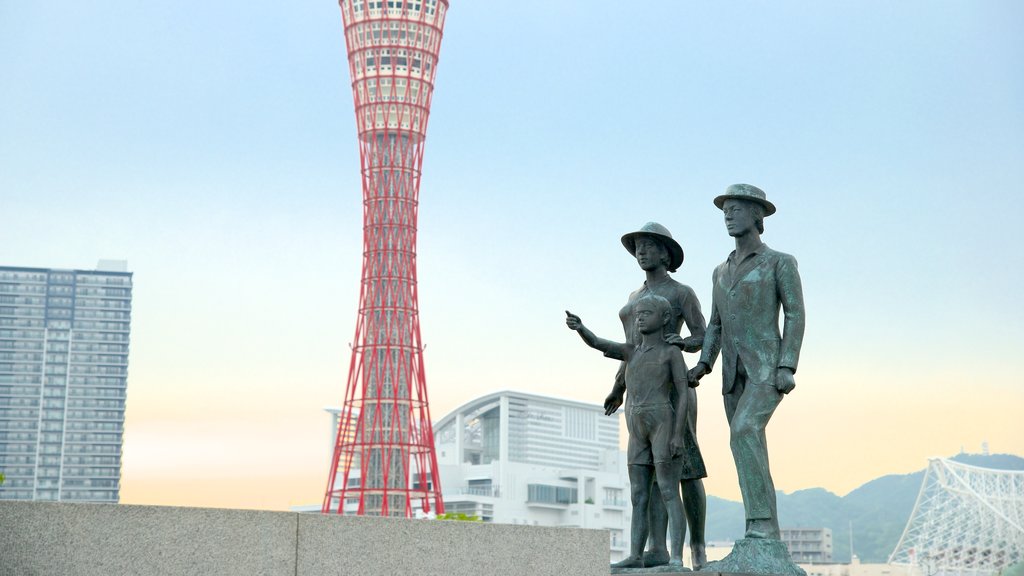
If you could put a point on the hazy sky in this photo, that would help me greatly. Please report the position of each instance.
(213, 146)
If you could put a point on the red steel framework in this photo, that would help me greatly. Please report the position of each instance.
(384, 463)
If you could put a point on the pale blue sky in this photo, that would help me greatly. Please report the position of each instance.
(212, 145)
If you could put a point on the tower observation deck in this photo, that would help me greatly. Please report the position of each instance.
(384, 462)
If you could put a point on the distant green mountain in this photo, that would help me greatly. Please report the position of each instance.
(877, 511)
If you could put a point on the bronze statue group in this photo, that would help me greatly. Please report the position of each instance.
(658, 394)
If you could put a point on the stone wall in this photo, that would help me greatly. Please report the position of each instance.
(43, 538)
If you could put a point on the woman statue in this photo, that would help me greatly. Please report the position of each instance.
(658, 253)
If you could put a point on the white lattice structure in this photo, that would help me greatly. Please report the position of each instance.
(967, 521)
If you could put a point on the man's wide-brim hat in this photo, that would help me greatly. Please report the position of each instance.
(746, 192)
(661, 234)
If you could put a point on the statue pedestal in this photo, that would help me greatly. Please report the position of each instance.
(756, 556)
(665, 569)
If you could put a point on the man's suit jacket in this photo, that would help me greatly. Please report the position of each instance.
(745, 317)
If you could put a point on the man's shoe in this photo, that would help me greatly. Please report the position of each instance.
(761, 528)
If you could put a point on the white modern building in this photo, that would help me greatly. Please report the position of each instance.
(63, 375)
(517, 458)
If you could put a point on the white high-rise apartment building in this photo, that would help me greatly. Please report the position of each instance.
(63, 375)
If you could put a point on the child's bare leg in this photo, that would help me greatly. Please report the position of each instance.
(668, 481)
(640, 480)
(656, 554)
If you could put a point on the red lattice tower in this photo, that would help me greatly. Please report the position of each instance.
(384, 462)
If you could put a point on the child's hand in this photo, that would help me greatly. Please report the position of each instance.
(676, 445)
(573, 321)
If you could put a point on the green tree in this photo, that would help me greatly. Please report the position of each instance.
(458, 516)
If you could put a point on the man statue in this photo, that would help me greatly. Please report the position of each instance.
(758, 362)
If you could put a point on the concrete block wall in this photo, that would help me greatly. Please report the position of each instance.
(48, 539)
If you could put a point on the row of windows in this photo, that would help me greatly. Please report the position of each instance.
(22, 288)
(55, 413)
(16, 448)
(387, 65)
(94, 347)
(100, 337)
(12, 413)
(98, 280)
(95, 426)
(91, 415)
(92, 437)
(22, 276)
(429, 6)
(91, 472)
(99, 358)
(92, 460)
(24, 402)
(387, 92)
(103, 292)
(93, 325)
(12, 277)
(90, 313)
(21, 334)
(544, 493)
(92, 449)
(66, 302)
(21, 345)
(103, 303)
(378, 33)
(22, 300)
(97, 392)
(90, 495)
(20, 357)
(7, 390)
(90, 483)
(19, 471)
(108, 370)
(382, 116)
(22, 312)
(16, 369)
(25, 323)
(109, 404)
(95, 382)
(15, 425)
